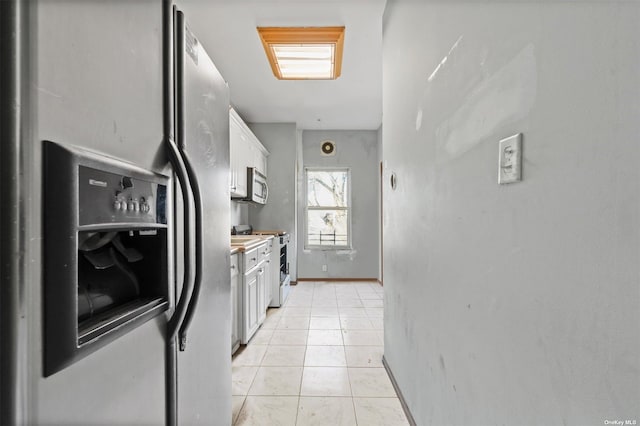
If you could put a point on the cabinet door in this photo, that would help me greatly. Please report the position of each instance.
(250, 306)
(261, 162)
(236, 307)
(233, 157)
(258, 155)
(264, 164)
(260, 308)
(238, 163)
(243, 163)
(268, 277)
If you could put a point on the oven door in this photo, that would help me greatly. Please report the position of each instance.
(259, 188)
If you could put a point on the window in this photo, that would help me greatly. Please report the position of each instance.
(328, 208)
(303, 53)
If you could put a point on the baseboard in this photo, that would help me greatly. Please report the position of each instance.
(405, 407)
(339, 279)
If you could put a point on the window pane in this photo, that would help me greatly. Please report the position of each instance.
(327, 227)
(327, 188)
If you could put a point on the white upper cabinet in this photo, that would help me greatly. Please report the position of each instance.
(245, 151)
(237, 169)
(260, 154)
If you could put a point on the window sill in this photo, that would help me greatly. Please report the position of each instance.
(328, 248)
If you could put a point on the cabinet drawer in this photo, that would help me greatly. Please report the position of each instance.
(264, 252)
(251, 259)
(267, 248)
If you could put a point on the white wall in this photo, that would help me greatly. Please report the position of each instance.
(239, 213)
(357, 150)
(280, 210)
(514, 304)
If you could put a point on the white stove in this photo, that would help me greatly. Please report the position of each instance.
(280, 287)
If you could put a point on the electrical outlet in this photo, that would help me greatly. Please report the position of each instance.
(324, 268)
(510, 161)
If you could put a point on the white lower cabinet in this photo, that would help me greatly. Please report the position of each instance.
(251, 314)
(236, 306)
(254, 310)
(257, 268)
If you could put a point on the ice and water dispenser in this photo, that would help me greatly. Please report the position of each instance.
(105, 238)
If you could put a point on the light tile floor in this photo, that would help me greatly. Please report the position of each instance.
(317, 361)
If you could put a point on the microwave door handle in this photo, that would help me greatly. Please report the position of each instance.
(199, 252)
(266, 191)
(187, 285)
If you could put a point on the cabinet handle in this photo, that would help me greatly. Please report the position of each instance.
(254, 258)
(233, 266)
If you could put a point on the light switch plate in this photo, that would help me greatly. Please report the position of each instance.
(510, 160)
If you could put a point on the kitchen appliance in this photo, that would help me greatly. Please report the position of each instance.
(111, 315)
(257, 189)
(105, 252)
(281, 284)
(284, 285)
(199, 374)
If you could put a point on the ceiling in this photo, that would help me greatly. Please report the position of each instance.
(227, 30)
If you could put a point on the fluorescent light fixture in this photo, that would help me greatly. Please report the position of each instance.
(303, 53)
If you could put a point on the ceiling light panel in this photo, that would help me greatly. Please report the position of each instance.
(303, 53)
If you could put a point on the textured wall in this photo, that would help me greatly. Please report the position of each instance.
(239, 213)
(358, 151)
(514, 304)
(280, 210)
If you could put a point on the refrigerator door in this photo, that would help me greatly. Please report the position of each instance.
(202, 103)
(94, 83)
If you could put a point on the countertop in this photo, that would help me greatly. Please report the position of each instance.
(250, 244)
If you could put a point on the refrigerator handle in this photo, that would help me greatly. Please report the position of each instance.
(176, 320)
(193, 186)
(199, 252)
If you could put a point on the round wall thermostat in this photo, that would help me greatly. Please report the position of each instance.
(328, 148)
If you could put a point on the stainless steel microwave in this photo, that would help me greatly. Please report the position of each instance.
(257, 189)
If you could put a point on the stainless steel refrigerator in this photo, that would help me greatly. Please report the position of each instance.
(202, 134)
(112, 117)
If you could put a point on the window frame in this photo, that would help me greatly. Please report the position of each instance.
(307, 208)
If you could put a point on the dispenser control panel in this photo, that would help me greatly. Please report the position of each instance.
(110, 198)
